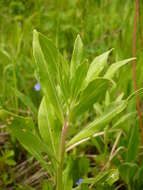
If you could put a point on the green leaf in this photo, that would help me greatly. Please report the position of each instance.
(97, 66)
(64, 78)
(27, 101)
(99, 123)
(46, 65)
(50, 53)
(124, 118)
(10, 162)
(128, 171)
(90, 95)
(47, 127)
(115, 66)
(77, 80)
(76, 56)
(32, 143)
(107, 99)
(83, 165)
(133, 145)
(140, 178)
(113, 176)
(110, 177)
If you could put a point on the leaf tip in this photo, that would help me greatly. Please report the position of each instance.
(35, 31)
(78, 38)
(35, 34)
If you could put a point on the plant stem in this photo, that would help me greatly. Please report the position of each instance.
(61, 154)
(134, 66)
(15, 84)
(140, 25)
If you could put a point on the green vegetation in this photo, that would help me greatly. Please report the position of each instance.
(68, 117)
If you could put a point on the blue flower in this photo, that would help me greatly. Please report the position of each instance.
(79, 181)
(37, 87)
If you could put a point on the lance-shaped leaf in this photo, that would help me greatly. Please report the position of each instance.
(115, 66)
(63, 68)
(90, 95)
(110, 177)
(32, 143)
(50, 52)
(76, 56)
(99, 123)
(97, 66)
(126, 117)
(45, 61)
(77, 80)
(128, 171)
(49, 130)
(133, 145)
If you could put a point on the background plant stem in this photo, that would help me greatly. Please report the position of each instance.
(134, 67)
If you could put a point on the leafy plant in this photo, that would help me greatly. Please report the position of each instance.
(70, 92)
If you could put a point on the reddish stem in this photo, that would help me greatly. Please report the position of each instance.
(134, 66)
(61, 153)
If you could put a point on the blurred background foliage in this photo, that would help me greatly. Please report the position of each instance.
(102, 24)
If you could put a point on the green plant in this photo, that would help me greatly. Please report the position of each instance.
(6, 159)
(69, 93)
(102, 24)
